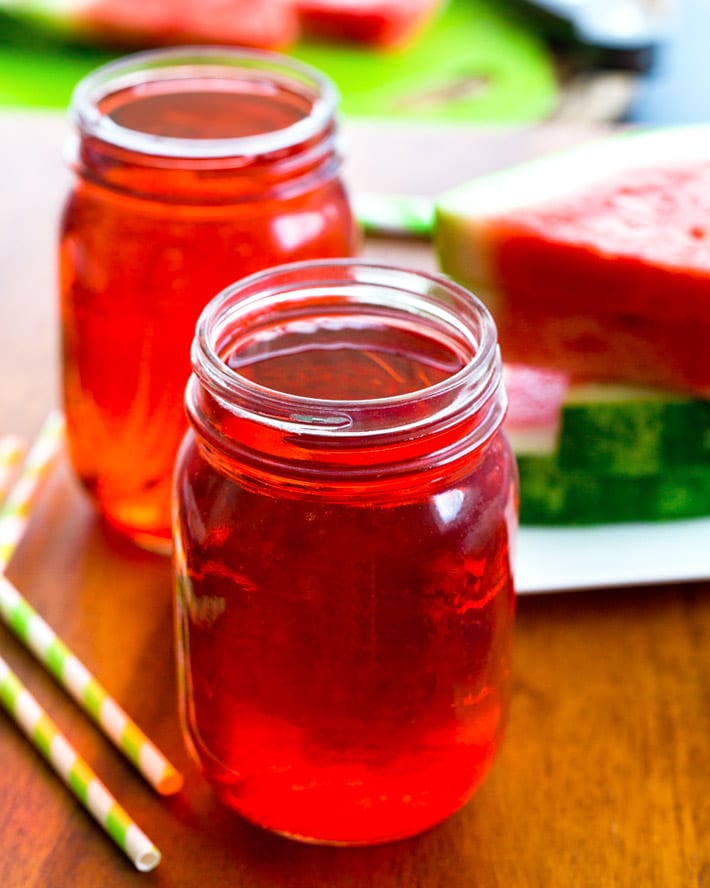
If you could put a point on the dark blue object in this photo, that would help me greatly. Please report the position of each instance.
(608, 34)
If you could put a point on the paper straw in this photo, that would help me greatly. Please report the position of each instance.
(12, 449)
(74, 771)
(91, 696)
(15, 511)
(49, 649)
(394, 214)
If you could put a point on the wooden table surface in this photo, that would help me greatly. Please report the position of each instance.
(603, 777)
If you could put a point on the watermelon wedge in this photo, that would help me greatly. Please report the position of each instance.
(596, 261)
(263, 24)
(594, 453)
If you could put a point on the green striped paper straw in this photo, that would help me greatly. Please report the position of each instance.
(91, 696)
(74, 771)
(394, 214)
(49, 649)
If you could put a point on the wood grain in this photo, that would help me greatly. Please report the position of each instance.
(603, 778)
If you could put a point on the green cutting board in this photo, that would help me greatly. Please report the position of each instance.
(473, 64)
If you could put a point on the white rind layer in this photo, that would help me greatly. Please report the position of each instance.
(566, 173)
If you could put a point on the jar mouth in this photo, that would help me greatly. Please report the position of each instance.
(335, 289)
(177, 65)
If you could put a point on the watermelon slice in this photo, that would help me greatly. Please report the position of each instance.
(384, 23)
(596, 261)
(264, 24)
(605, 453)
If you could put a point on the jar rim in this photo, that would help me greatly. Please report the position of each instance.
(175, 63)
(480, 377)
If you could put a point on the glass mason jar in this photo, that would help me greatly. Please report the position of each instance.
(344, 512)
(193, 167)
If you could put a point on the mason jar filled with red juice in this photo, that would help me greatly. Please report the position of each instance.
(193, 167)
(344, 515)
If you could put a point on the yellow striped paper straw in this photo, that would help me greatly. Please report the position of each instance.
(12, 449)
(74, 771)
(49, 649)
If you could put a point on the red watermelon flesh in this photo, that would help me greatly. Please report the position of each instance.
(385, 23)
(535, 399)
(266, 24)
(609, 282)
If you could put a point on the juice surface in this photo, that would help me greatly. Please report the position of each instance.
(345, 661)
(145, 244)
(192, 108)
(344, 360)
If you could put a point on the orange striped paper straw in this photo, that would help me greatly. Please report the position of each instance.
(12, 449)
(15, 511)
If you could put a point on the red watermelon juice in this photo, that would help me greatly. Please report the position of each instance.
(192, 170)
(345, 512)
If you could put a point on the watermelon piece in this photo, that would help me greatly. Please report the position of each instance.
(263, 24)
(595, 261)
(383, 23)
(606, 453)
(605, 428)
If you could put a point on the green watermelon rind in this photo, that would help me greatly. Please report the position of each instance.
(552, 495)
(635, 437)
